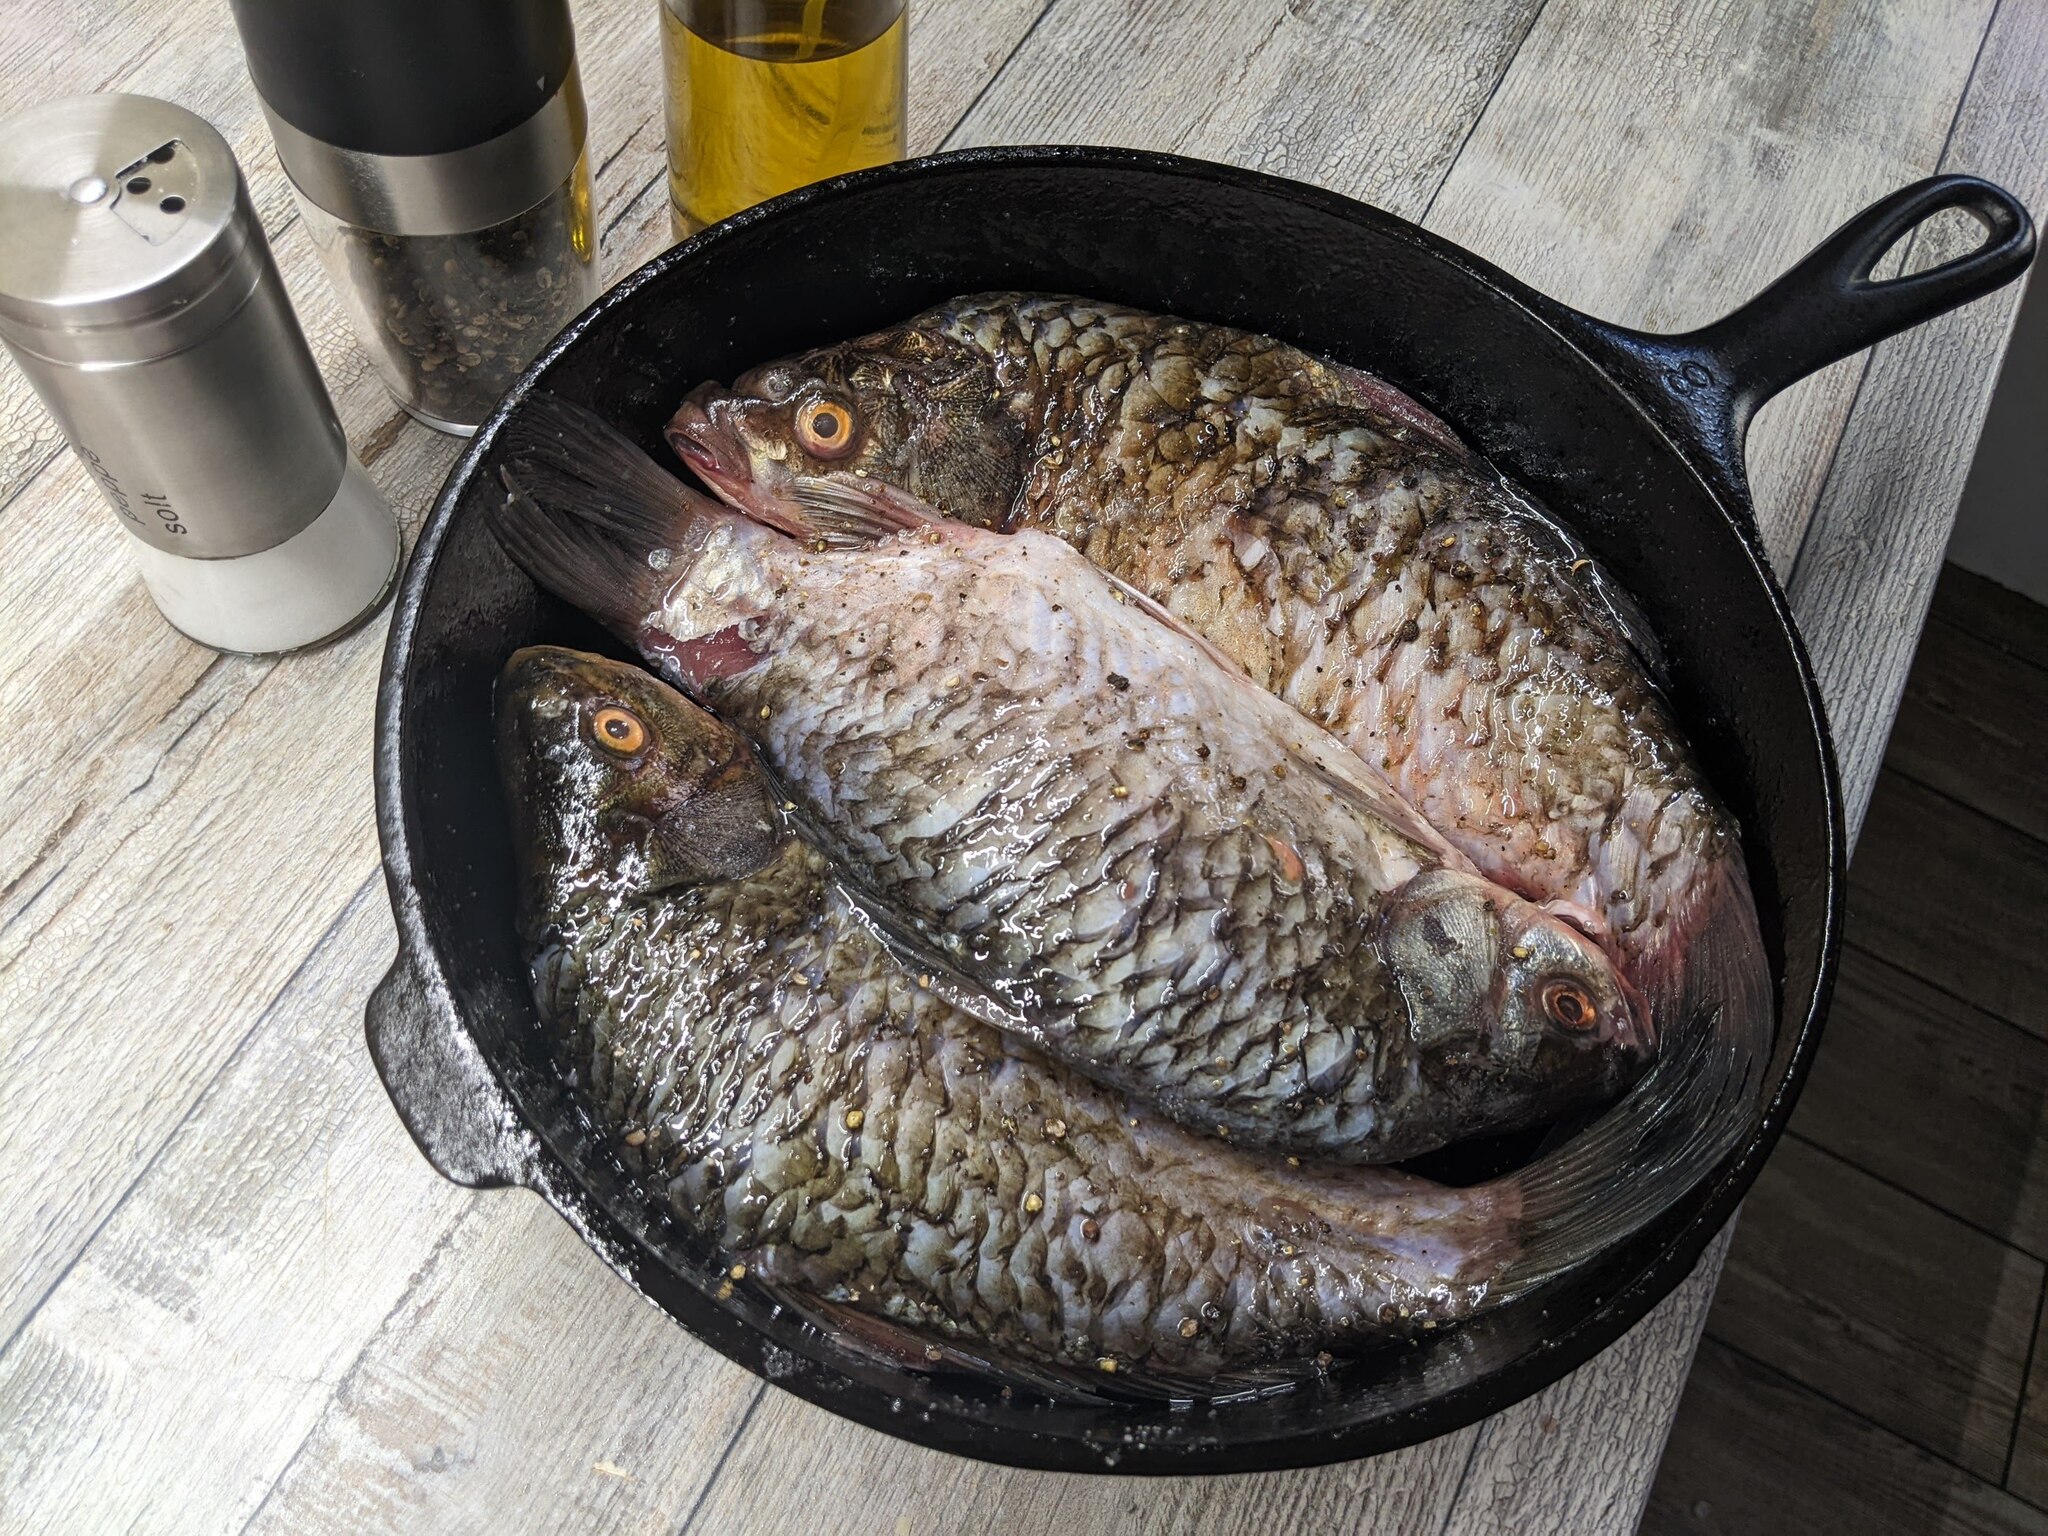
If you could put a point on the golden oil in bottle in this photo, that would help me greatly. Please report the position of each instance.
(766, 95)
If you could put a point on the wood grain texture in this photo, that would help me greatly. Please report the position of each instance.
(1994, 614)
(1973, 876)
(1765, 1457)
(1944, 1100)
(1973, 723)
(1300, 89)
(206, 1211)
(518, 1375)
(2027, 1472)
(1883, 1304)
(1731, 139)
(772, 1478)
(1868, 564)
(197, 1341)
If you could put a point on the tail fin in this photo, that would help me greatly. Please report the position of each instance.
(572, 461)
(1714, 1004)
(590, 516)
(583, 565)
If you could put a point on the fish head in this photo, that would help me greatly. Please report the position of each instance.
(618, 785)
(912, 407)
(1514, 1016)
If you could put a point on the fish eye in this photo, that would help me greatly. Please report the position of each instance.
(1568, 1004)
(618, 729)
(825, 428)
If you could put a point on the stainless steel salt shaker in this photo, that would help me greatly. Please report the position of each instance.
(138, 295)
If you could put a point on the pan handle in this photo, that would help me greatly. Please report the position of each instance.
(1710, 382)
(1830, 306)
(445, 1095)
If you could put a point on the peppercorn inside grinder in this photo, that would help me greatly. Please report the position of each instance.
(438, 149)
(139, 298)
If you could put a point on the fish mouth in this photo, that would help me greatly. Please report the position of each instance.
(712, 449)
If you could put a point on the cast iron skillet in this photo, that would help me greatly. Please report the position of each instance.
(1634, 439)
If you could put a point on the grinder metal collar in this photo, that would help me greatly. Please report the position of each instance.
(418, 119)
(449, 193)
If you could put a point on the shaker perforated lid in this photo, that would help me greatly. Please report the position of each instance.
(405, 77)
(139, 299)
(124, 233)
(138, 296)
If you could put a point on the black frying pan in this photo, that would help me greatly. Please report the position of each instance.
(1634, 439)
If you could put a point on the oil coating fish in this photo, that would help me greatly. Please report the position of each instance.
(772, 1073)
(1093, 831)
(1335, 539)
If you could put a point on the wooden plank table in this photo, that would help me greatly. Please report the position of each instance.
(231, 1293)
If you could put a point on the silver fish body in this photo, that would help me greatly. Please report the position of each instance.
(1334, 538)
(789, 1090)
(597, 523)
(1118, 847)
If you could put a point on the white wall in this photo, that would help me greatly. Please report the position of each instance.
(2002, 529)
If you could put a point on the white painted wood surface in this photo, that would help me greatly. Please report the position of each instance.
(232, 1294)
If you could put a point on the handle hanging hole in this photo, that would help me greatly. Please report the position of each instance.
(1947, 236)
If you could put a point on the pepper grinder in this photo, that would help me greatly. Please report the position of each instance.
(438, 152)
(138, 295)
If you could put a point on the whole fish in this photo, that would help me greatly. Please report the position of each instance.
(769, 1071)
(1335, 539)
(1086, 826)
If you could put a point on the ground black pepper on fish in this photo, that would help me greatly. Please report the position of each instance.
(774, 1075)
(1335, 539)
(1178, 886)
(1600, 1185)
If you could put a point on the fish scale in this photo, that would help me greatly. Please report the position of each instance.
(1338, 542)
(1129, 854)
(921, 1214)
(782, 622)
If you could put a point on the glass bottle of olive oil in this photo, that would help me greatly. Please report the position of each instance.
(766, 95)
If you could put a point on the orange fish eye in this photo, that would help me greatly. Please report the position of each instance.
(618, 729)
(825, 428)
(1568, 1004)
